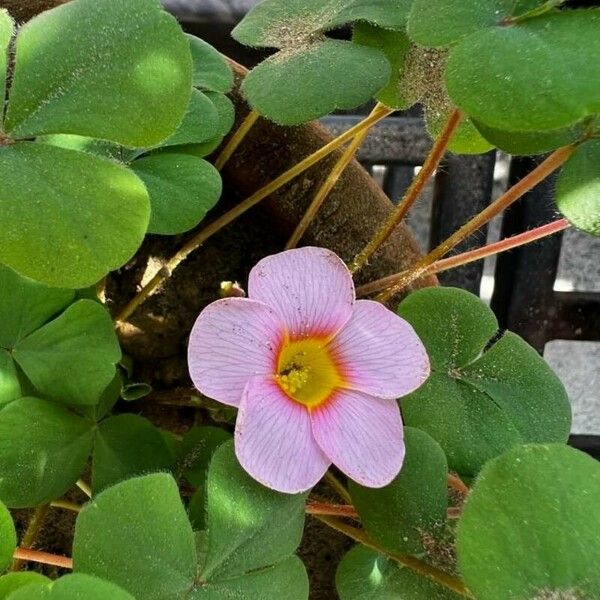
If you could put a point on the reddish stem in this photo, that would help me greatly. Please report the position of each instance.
(457, 484)
(334, 510)
(472, 255)
(44, 558)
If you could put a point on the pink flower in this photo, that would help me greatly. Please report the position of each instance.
(314, 372)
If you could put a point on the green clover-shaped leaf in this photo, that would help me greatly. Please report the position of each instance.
(43, 450)
(529, 76)
(418, 498)
(127, 445)
(365, 575)
(437, 23)
(484, 395)
(578, 188)
(530, 526)
(182, 190)
(146, 512)
(312, 75)
(68, 217)
(72, 587)
(13, 581)
(110, 70)
(67, 353)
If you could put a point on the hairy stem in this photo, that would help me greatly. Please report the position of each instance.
(328, 185)
(553, 162)
(45, 558)
(412, 193)
(338, 486)
(230, 216)
(472, 255)
(31, 533)
(412, 563)
(236, 139)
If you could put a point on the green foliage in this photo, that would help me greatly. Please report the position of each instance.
(312, 75)
(8, 537)
(43, 450)
(417, 498)
(71, 60)
(127, 445)
(483, 396)
(69, 217)
(288, 89)
(530, 524)
(542, 50)
(249, 526)
(81, 343)
(578, 188)
(210, 71)
(395, 45)
(13, 581)
(182, 190)
(443, 22)
(136, 534)
(146, 512)
(196, 450)
(72, 587)
(365, 575)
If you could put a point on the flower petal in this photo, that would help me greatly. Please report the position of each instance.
(362, 435)
(310, 288)
(233, 340)
(379, 353)
(274, 441)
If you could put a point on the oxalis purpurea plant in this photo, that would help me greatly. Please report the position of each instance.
(448, 435)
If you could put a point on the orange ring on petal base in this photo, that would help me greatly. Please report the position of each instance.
(307, 371)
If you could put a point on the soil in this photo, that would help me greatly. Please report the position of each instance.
(156, 336)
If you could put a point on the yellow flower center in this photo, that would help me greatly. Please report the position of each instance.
(306, 371)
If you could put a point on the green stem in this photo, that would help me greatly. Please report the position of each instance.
(412, 563)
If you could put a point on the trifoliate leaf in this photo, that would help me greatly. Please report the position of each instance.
(297, 86)
(482, 397)
(13, 581)
(8, 537)
(72, 358)
(6, 32)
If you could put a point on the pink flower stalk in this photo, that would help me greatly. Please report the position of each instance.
(314, 372)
